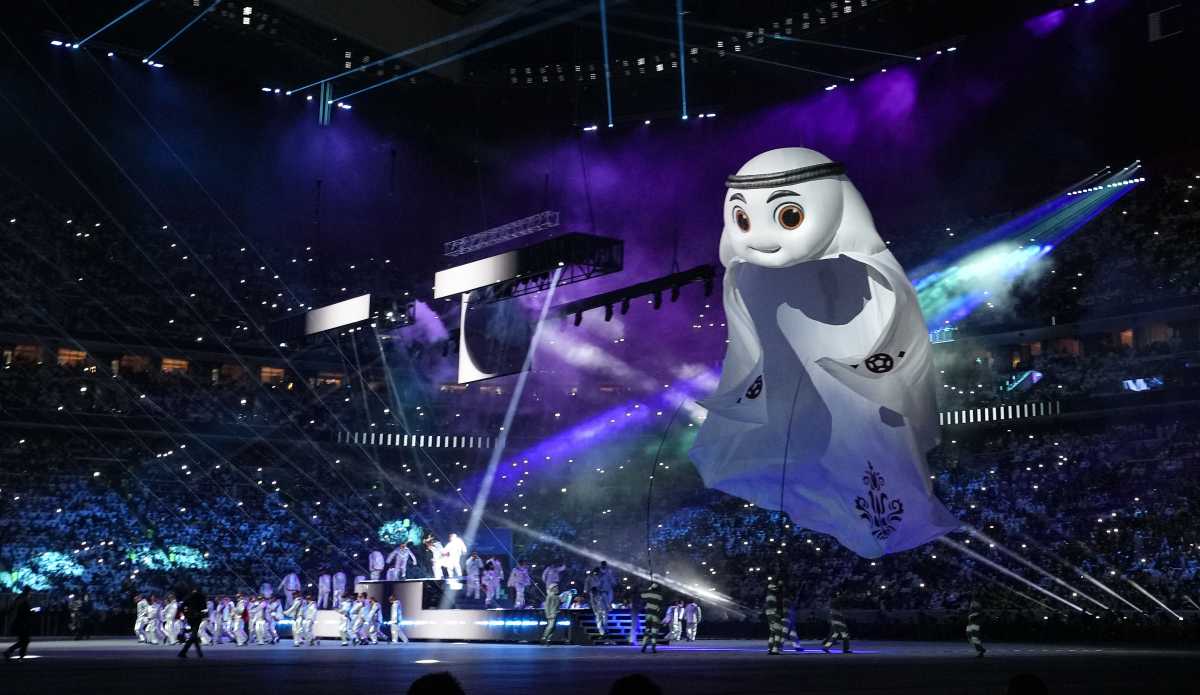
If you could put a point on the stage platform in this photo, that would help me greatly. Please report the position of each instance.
(699, 668)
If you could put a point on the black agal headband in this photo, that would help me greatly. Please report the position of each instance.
(783, 178)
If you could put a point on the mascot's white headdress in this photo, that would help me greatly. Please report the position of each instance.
(825, 407)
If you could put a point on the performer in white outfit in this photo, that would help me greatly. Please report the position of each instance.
(519, 580)
(374, 620)
(291, 587)
(375, 564)
(346, 609)
(296, 613)
(208, 629)
(142, 613)
(396, 623)
(237, 621)
(474, 568)
(594, 590)
(358, 620)
(274, 614)
(437, 557)
(153, 629)
(400, 558)
(692, 616)
(308, 621)
(491, 584)
(455, 549)
(553, 573)
(339, 586)
(324, 586)
(261, 618)
(674, 621)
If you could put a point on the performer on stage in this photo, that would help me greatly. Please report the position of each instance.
(519, 580)
(400, 558)
(209, 626)
(691, 615)
(324, 587)
(597, 600)
(974, 629)
(339, 586)
(346, 609)
(141, 610)
(437, 557)
(308, 621)
(237, 621)
(374, 620)
(274, 615)
(455, 549)
(492, 576)
(397, 617)
(674, 621)
(774, 613)
(170, 620)
(153, 629)
(553, 573)
(296, 613)
(291, 587)
(551, 611)
(474, 568)
(651, 604)
(375, 564)
(837, 629)
(258, 620)
(608, 582)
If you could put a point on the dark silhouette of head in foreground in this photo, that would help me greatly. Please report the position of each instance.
(436, 684)
(1027, 684)
(634, 684)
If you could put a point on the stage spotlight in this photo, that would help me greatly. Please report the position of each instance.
(699, 115)
(111, 54)
(831, 87)
(590, 128)
(608, 312)
(56, 42)
(952, 49)
(265, 89)
(277, 90)
(713, 115)
(684, 117)
(308, 98)
(647, 121)
(145, 60)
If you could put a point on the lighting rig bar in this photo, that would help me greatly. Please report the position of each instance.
(498, 235)
(654, 288)
(361, 310)
(529, 269)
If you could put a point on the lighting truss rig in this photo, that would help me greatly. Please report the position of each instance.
(525, 226)
(672, 284)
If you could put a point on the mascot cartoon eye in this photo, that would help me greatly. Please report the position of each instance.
(789, 215)
(742, 219)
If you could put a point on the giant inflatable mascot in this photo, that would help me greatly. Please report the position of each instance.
(825, 407)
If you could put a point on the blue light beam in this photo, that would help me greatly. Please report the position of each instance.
(187, 26)
(123, 15)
